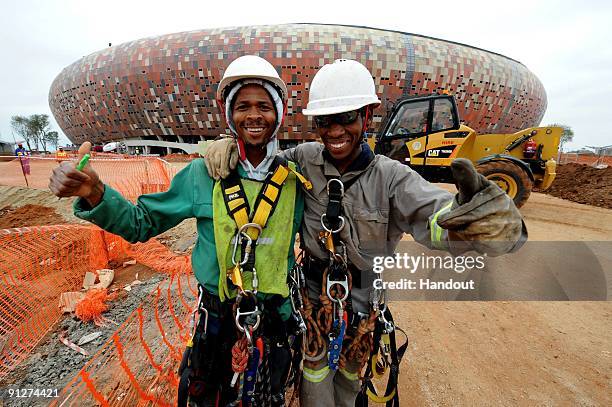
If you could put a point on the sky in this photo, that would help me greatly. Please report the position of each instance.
(566, 44)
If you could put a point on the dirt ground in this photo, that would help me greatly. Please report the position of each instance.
(583, 184)
(28, 215)
(16, 197)
(514, 353)
(470, 353)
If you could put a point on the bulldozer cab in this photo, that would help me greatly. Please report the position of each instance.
(406, 135)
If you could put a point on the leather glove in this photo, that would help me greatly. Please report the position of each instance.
(220, 156)
(482, 214)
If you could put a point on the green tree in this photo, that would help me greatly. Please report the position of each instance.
(39, 126)
(53, 138)
(20, 125)
(35, 129)
(567, 135)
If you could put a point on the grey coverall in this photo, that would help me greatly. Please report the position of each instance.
(388, 200)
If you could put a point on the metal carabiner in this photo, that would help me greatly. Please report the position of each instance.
(240, 314)
(199, 308)
(339, 182)
(324, 216)
(242, 232)
(237, 242)
(377, 297)
(389, 327)
(342, 283)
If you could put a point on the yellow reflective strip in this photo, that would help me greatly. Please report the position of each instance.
(233, 204)
(375, 373)
(241, 217)
(260, 217)
(233, 189)
(271, 192)
(436, 231)
(349, 375)
(316, 376)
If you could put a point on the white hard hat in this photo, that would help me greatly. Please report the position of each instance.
(250, 66)
(341, 87)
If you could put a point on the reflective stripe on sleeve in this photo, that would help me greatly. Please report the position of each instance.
(436, 230)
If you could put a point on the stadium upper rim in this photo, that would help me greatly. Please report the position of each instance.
(328, 25)
(408, 33)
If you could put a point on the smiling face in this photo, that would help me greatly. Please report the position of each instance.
(343, 141)
(254, 115)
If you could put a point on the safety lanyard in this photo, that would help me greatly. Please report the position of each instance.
(336, 278)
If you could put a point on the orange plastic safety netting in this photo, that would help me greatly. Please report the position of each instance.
(132, 177)
(138, 364)
(588, 159)
(38, 264)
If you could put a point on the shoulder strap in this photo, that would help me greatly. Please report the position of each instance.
(237, 204)
(235, 199)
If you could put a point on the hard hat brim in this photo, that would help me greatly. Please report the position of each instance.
(225, 82)
(324, 111)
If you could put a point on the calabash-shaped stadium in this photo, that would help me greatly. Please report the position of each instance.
(162, 89)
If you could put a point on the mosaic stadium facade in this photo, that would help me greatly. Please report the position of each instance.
(163, 88)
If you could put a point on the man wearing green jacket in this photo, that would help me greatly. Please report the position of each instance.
(244, 248)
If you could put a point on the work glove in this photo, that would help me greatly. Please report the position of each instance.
(220, 156)
(482, 215)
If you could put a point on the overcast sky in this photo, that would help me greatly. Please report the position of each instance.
(566, 44)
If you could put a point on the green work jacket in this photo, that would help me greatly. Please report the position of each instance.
(190, 196)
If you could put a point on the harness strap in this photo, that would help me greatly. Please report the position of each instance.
(238, 206)
(391, 395)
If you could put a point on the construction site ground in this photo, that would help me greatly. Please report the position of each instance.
(460, 353)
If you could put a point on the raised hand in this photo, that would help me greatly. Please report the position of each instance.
(482, 214)
(467, 179)
(67, 180)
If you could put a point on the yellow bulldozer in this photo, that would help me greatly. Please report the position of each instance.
(425, 133)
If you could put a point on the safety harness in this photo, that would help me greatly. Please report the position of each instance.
(259, 341)
(385, 355)
(372, 339)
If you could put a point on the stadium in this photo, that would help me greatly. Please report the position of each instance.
(159, 92)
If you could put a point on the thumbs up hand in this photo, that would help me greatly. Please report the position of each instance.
(467, 180)
(482, 214)
(67, 180)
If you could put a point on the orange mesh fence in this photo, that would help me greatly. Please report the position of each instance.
(138, 364)
(588, 159)
(132, 177)
(37, 264)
